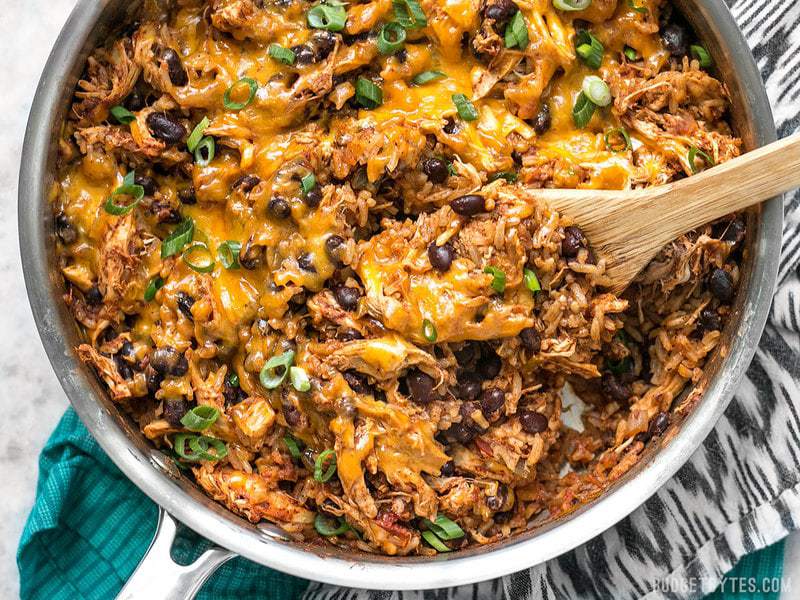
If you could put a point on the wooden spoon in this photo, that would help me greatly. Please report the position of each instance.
(628, 227)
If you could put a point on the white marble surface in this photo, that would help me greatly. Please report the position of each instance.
(31, 399)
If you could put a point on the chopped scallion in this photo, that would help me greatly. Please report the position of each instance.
(466, 110)
(516, 34)
(281, 54)
(228, 254)
(325, 466)
(308, 183)
(156, 283)
(589, 48)
(328, 526)
(427, 77)
(200, 417)
(444, 528)
(702, 56)
(694, 154)
(391, 38)
(291, 443)
(636, 8)
(509, 176)
(630, 53)
(429, 330)
(621, 135)
(434, 541)
(409, 14)
(205, 150)
(198, 258)
(197, 134)
(299, 379)
(582, 111)
(330, 16)
(498, 278)
(572, 5)
(368, 94)
(597, 90)
(252, 85)
(275, 370)
(128, 188)
(122, 115)
(531, 281)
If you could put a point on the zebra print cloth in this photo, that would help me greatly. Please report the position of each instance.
(741, 490)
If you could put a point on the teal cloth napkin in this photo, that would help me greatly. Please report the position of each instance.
(90, 526)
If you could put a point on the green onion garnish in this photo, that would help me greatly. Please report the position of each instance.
(308, 182)
(325, 457)
(228, 254)
(509, 176)
(200, 417)
(427, 77)
(623, 135)
(444, 528)
(589, 49)
(572, 5)
(630, 53)
(391, 38)
(597, 90)
(233, 379)
(281, 54)
(409, 14)
(619, 366)
(122, 115)
(269, 376)
(291, 443)
(197, 134)
(702, 55)
(498, 279)
(198, 257)
(368, 94)
(466, 110)
(429, 330)
(179, 237)
(638, 9)
(516, 35)
(531, 281)
(582, 111)
(205, 150)
(299, 379)
(252, 84)
(156, 283)
(694, 153)
(199, 445)
(128, 188)
(434, 541)
(329, 15)
(327, 526)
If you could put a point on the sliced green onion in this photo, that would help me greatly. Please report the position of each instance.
(299, 379)
(128, 188)
(228, 254)
(509, 176)
(466, 110)
(201, 445)
(179, 237)
(291, 443)
(331, 16)
(269, 376)
(308, 182)
(572, 5)
(427, 77)
(325, 457)
(180, 443)
(638, 9)
(122, 115)
(252, 84)
(429, 330)
(582, 111)
(156, 283)
(391, 38)
(205, 150)
(233, 379)
(619, 366)
(516, 34)
(630, 53)
(327, 527)
(197, 134)
(200, 417)
(589, 48)
(531, 281)
(281, 54)
(368, 94)
(409, 14)
(498, 279)
(622, 133)
(702, 55)
(444, 528)
(694, 153)
(198, 257)
(597, 90)
(451, 169)
(434, 541)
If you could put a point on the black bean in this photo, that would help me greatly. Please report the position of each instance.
(153, 379)
(436, 170)
(448, 469)
(334, 246)
(543, 120)
(402, 56)
(127, 351)
(187, 196)
(347, 297)
(469, 387)
(292, 414)
(720, 283)
(468, 353)
(233, 394)
(313, 197)
(64, 229)
(246, 183)
(499, 501)
(177, 74)
(709, 320)
(324, 42)
(123, 368)
(466, 411)
(420, 386)
(451, 127)
(174, 410)
(279, 208)
(490, 364)
(166, 128)
(94, 296)
(461, 433)
(503, 517)
(659, 424)
(531, 339)
(168, 361)
(349, 335)
(469, 205)
(357, 382)
(500, 11)
(147, 182)
(735, 232)
(185, 303)
(306, 262)
(303, 54)
(134, 101)
(675, 38)
(441, 257)
(573, 241)
(532, 421)
(614, 388)
(492, 401)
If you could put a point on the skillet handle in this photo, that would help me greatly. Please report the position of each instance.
(158, 576)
